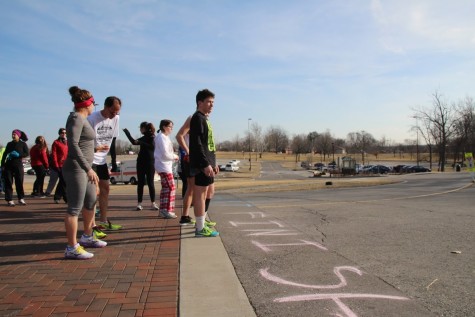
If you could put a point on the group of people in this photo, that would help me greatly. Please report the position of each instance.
(78, 158)
(82, 168)
(197, 164)
(42, 162)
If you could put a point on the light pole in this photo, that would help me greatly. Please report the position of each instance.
(417, 139)
(249, 133)
(333, 151)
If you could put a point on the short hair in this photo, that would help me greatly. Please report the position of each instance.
(203, 94)
(61, 130)
(143, 124)
(109, 102)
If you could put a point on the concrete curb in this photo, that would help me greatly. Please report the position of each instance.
(209, 285)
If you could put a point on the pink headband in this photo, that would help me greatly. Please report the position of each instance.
(17, 132)
(85, 103)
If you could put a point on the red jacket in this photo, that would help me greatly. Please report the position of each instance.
(38, 157)
(59, 152)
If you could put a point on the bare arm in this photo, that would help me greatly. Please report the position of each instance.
(180, 136)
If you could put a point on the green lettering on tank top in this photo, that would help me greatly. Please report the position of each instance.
(211, 145)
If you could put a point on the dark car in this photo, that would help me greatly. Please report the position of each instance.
(418, 169)
(319, 166)
(398, 168)
(378, 169)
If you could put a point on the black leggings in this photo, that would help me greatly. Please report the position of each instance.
(38, 185)
(145, 171)
(60, 191)
(14, 172)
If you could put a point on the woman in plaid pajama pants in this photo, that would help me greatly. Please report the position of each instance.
(164, 157)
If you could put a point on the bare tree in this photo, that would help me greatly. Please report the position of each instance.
(361, 142)
(300, 145)
(276, 139)
(464, 128)
(257, 140)
(439, 125)
(312, 136)
(324, 143)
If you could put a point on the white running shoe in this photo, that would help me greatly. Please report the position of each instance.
(139, 207)
(77, 253)
(92, 241)
(155, 206)
(167, 215)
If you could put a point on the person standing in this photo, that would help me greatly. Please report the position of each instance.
(39, 162)
(145, 162)
(183, 139)
(106, 126)
(2, 187)
(12, 167)
(59, 152)
(202, 159)
(81, 180)
(164, 157)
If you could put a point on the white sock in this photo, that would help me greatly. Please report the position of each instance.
(200, 223)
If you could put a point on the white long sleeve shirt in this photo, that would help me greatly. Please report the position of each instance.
(164, 154)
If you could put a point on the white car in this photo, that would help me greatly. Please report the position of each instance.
(235, 162)
(231, 167)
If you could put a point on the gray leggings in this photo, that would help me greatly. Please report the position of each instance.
(81, 193)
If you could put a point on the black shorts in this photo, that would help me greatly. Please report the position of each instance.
(102, 171)
(200, 178)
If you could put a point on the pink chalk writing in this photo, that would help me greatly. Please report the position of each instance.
(267, 247)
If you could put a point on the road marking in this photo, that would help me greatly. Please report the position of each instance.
(320, 203)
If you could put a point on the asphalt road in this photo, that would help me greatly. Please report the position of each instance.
(405, 249)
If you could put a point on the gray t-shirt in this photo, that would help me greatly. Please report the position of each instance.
(81, 138)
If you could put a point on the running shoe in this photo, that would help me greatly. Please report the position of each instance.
(91, 241)
(210, 223)
(155, 206)
(98, 233)
(77, 253)
(167, 215)
(206, 232)
(186, 221)
(56, 201)
(109, 226)
(139, 207)
(22, 202)
(11, 203)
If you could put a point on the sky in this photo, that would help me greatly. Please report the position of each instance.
(303, 65)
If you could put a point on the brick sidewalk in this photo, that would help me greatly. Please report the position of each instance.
(137, 274)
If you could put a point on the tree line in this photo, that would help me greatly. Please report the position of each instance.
(443, 130)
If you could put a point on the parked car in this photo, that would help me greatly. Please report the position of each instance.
(377, 169)
(319, 166)
(231, 167)
(358, 168)
(235, 162)
(418, 169)
(398, 168)
(28, 169)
